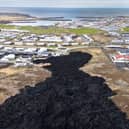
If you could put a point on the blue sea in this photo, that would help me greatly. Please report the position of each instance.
(68, 13)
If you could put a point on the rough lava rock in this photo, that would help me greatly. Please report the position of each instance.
(70, 99)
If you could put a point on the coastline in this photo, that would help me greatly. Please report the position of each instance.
(8, 18)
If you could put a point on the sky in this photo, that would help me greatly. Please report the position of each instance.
(66, 3)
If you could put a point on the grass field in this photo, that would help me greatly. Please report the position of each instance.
(80, 31)
(126, 29)
(41, 30)
(4, 26)
(53, 30)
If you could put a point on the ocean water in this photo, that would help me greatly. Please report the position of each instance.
(68, 12)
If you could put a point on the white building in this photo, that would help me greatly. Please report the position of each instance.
(19, 43)
(8, 43)
(30, 43)
(67, 38)
(51, 44)
(40, 44)
(117, 41)
(51, 39)
(87, 38)
(66, 44)
(74, 44)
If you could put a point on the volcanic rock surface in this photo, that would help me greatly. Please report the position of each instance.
(69, 99)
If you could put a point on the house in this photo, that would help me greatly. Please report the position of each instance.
(29, 43)
(2, 54)
(42, 36)
(8, 43)
(41, 40)
(2, 40)
(114, 34)
(125, 34)
(66, 44)
(9, 57)
(40, 44)
(51, 44)
(87, 38)
(113, 46)
(19, 43)
(120, 58)
(123, 51)
(19, 50)
(85, 43)
(1, 46)
(21, 62)
(117, 41)
(28, 40)
(51, 39)
(42, 50)
(4, 60)
(74, 44)
(28, 51)
(126, 40)
(67, 38)
(7, 48)
(16, 40)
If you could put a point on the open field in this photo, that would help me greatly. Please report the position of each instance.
(102, 38)
(41, 30)
(4, 26)
(13, 79)
(126, 29)
(10, 71)
(53, 30)
(80, 31)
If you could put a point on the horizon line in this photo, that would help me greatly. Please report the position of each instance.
(63, 7)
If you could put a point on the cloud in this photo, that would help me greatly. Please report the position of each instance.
(64, 3)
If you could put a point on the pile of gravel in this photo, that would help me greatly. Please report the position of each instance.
(70, 99)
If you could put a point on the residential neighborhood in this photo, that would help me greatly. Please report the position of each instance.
(20, 48)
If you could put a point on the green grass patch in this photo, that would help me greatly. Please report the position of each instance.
(126, 29)
(80, 31)
(42, 30)
(58, 31)
(53, 30)
(4, 26)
